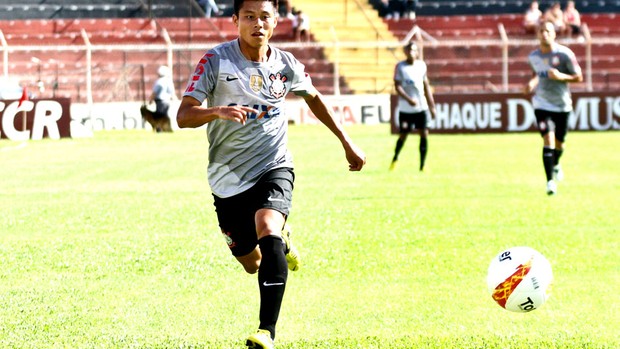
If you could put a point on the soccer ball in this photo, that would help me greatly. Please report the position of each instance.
(519, 279)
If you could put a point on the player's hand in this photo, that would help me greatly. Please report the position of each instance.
(554, 74)
(433, 111)
(236, 113)
(414, 102)
(527, 89)
(355, 157)
(530, 86)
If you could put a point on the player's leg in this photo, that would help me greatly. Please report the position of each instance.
(402, 138)
(561, 129)
(421, 123)
(277, 193)
(558, 173)
(251, 261)
(423, 147)
(549, 154)
(237, 217)
(274, 196)
(405, 124)
(273, 270)
(547, 131)
(236, 220)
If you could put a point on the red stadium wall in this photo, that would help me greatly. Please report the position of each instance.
(456, 113)
(35, 119)
(513, 112)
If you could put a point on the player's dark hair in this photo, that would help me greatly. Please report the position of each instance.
(544, 24)
(238, 3)
(409, 45)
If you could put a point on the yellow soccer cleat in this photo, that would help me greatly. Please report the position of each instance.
(292, 255)
(260, 340)
(393, 165)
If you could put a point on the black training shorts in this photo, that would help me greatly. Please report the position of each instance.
(236, 214)
(406, 121)
(549, 121)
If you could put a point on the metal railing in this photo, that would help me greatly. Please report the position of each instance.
(173, 51)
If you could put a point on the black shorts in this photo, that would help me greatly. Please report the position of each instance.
(236, 214)
(549, 121)
(407, 120)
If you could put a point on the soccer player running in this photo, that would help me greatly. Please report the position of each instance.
(553, 66)
(415, 99)
(250, 169)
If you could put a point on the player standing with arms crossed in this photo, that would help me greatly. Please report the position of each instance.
(553, 66)
(250, 169)
(415, 99)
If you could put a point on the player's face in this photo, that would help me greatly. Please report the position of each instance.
(411, 53)
(256, 22)
(546, 34)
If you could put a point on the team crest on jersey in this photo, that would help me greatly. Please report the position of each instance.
(277, 88)
(256, 83)
(555, 61)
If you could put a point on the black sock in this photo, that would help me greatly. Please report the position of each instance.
(548, 162)
(423, 150)
(272, 276)
(399, 145)
(557, 154)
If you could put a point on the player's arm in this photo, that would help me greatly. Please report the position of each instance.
(355, 156)
(531, 84)
(192, 114)
(430, 100)
(401, 92)
(555, 74)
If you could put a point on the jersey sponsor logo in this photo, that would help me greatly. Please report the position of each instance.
(277, 89)
(266, 111)
(256, 83)
(200, 69)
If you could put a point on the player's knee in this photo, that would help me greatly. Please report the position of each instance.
(251, 268)
(264, 229)
(548, 137)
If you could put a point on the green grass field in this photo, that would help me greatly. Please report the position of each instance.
(112, 242)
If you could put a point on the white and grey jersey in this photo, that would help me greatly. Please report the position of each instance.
(553, 95)
(240, 154)
(411, 78)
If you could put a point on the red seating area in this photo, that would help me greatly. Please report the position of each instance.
(119, 75)
(465, 65)
(123, 30)
(486, 26)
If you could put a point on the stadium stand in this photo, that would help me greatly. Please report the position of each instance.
(465, 61)
(51, 52)
(46, 42)
(50, 9)
(491, 7)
